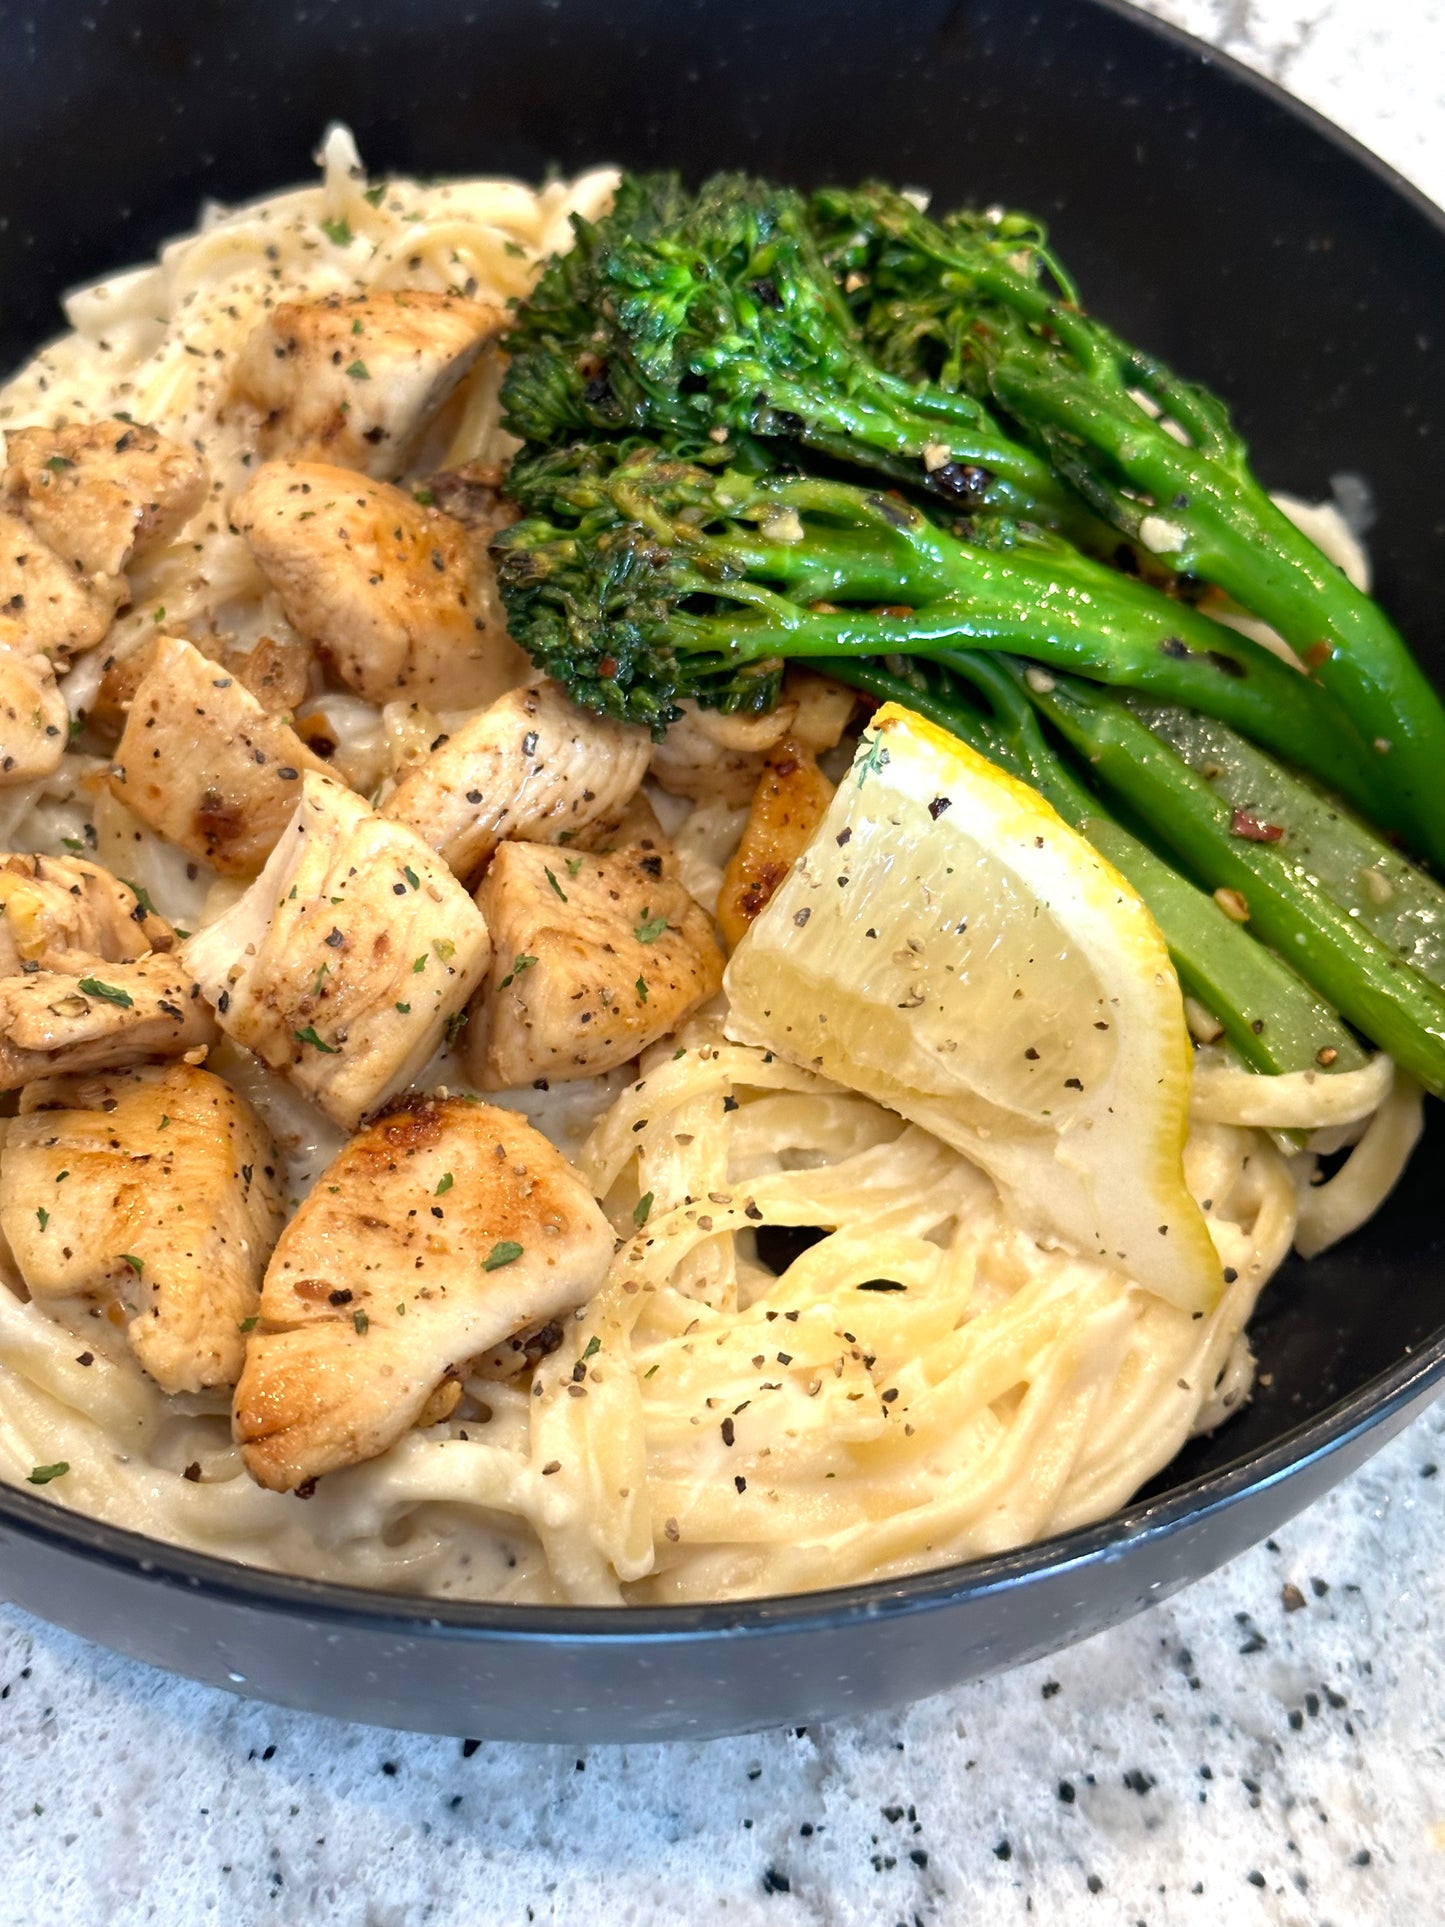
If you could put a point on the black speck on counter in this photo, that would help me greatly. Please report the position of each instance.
(469, 1747)
(1138, 1781)
(1066, 1792)
(1003, 1851)
(1255, 1877)
(390, 1769)
(775, 1882)
(1094, 1884)
(1049, 1688)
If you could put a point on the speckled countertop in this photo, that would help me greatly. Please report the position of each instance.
(1268, 1748)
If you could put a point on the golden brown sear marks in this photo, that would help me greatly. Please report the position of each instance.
(204, 765)
(155, 1189)
(790, 801)
(440, 1230)
(100, 492)
(594, 956)
(393, 595)
(357, 379)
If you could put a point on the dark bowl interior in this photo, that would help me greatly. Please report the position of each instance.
(1257, 249)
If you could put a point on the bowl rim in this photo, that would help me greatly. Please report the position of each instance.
(229, 1582)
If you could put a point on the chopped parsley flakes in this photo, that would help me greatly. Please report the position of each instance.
(93, 987)
(505, 1253)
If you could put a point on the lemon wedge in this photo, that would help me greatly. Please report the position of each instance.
(948, 945)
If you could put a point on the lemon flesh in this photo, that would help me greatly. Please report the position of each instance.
(948, 945)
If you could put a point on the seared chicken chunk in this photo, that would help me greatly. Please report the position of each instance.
(154, 1188)
(789, 803)
(51, 904)
(355, 379)
(98, 492)
(440, 1230)
(204, 765)
(592, 960)
(59, 612)
(344, 961)
(533, 766)
(34, 716)
(88, 1014)
(394, 596)
(710, 757)
(822, 711)
(276, 670)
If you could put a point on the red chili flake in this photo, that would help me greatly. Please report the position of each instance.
(1241, 823)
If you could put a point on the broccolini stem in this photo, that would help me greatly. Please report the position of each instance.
(1379, 887)
(1211, 518)
(1274, 1021)
(1390, 1003)
(1016, 603)
(1155, 455)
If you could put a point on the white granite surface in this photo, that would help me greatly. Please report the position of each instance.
(1268, 1748)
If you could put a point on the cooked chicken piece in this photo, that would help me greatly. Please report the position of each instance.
(533, 766)
(88, 1014)
(354, 379)
(823, 710)
(58, 611)
(473, 496)
(636, 827)
(34, 717)
(344, 961)
(788, 805)
(712, 758)
(52, 904)
(156, 1188)
(122, 672)
(203, 765)
(394, 596)
(276, 670)
(98, 492)
(440, 1230)
(591, 961)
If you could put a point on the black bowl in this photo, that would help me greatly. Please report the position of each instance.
(1208, 216)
